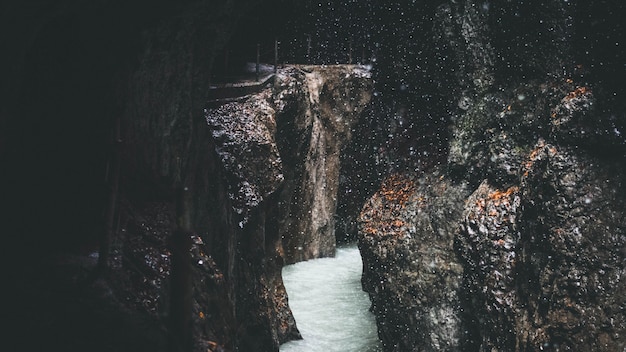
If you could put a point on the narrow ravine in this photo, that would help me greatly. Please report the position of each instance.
(330, 308)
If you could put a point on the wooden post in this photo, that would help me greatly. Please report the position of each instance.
(112, 179)
(258, 55)
(350, 52)
(180, 320)
(226, 62)
(363, 54)
(275, 55)
(308, 49)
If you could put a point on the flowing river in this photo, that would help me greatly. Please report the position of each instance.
(331, 309)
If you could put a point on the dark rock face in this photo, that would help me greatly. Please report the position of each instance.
(407, 232)
(488, 245)
(244, 134)
(538, 257)
(243, 138)
(572, 228)
(535, 156)
(77, 74)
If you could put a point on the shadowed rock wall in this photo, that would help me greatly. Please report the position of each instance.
(91, 86)
(533, 243)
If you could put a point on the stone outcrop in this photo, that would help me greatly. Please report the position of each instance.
(317, 109)
(534, 163)
(542, 259)
(538, 260)
(489, 247)
(279, 151)
(246, 174)
(414, 279)
(572, 229)
(244, 134)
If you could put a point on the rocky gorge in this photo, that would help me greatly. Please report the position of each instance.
(478, 161)
(183, 208)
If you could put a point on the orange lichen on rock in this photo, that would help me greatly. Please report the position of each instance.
(397, 189)
(480, 203)
(495, 198)
(552, 151)
(533, 155)
(383, 217)
(499, 242)
(577, 92)
(397, 223)
(498, 195)
(370, 230)
(214, 346)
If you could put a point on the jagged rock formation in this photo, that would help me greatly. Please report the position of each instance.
(414, 279)
(244, 134)
(245, 174)
(317, 110)
(572, 228)
(489, 248)
(279, 151)
(536, 153)
(294, 132)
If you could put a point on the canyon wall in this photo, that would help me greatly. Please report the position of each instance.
(316, 119)
(514, 240)
(279, 155)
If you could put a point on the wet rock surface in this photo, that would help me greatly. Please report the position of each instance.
(279, 151)
(414, 279)
(488, 245)
(317, 109)
(244, 134)
(512, 113)
(536, 255)
(572, 228)
(535, 156)
(539, 247)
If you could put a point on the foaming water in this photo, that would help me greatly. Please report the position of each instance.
(331, 309)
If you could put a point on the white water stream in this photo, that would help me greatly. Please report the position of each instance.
(331, 309)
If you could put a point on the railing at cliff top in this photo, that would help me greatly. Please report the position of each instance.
(228, 92)
(257, 72)
(229, 64)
